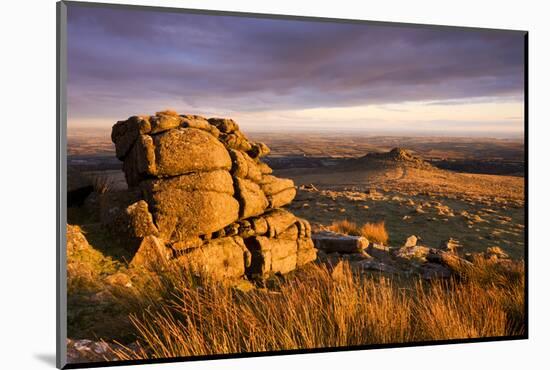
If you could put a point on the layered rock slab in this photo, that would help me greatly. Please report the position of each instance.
(221, 259)
(331, 242)
(209, 195)
(191, 205)
(174, 152)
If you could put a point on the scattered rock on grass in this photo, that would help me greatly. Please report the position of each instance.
(330, 242)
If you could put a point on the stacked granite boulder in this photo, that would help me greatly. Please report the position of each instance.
(202, 190)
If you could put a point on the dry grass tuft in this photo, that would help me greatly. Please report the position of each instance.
(319, 307)
(375, 232)
(344, 227)
(102, 184)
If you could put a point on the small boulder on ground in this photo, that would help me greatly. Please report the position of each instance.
(449, 259)
(411, 241)
(416, 252)
(378, 251)
(411, 251)
(330, 242)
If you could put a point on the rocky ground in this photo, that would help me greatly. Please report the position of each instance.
(480, 211)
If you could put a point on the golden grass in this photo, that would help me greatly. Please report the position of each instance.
(319, 307)
(344, 227)
(375, 232)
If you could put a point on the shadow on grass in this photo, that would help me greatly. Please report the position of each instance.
(108, 244)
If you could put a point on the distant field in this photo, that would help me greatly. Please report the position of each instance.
(98, 141)
(466, 198)
(356, 145)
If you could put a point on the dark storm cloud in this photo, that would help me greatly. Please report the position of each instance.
(122, 59)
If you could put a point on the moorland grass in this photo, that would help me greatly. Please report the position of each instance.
(375, 232)
(325, 307)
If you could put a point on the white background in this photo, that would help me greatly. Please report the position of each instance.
(27, 196)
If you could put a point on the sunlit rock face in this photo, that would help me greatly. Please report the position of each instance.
(211, 199)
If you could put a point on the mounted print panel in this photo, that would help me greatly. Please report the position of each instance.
(234, 184)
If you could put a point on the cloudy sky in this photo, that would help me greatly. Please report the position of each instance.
(293, 75)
